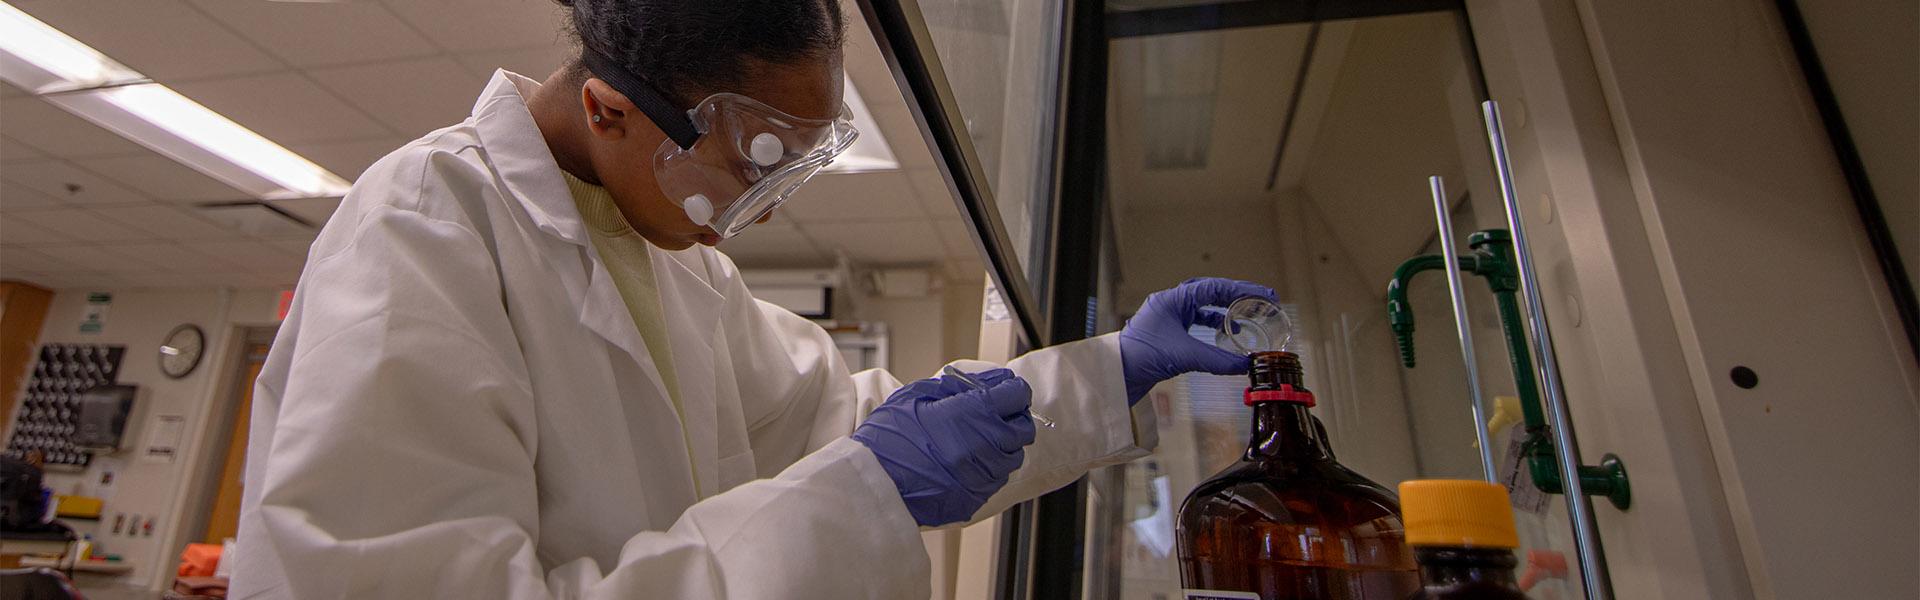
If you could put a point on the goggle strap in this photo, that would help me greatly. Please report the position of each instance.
(671, 120)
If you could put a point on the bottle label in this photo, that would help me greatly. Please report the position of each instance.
(1218, 595)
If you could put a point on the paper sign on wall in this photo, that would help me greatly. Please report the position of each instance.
(95, 317)
(993, 308)
(163, 438)
(109, 469)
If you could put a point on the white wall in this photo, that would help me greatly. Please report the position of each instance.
(925, 332)
(1765, 265)
(1162, 247)
(1871, 53)
(140, 320)
(961, 309)
(1349, 355)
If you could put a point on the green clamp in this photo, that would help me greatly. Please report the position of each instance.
(1492, 260)
(1607, 480)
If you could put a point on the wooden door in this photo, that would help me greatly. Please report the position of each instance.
(23, 308)
(223, 520)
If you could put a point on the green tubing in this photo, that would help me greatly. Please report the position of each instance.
(1519, 359)
(1400, 311)
(1608, 480)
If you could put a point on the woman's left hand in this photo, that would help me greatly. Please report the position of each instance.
(1155, 346)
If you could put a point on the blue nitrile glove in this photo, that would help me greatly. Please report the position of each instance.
(948, 446)
(1155, 347)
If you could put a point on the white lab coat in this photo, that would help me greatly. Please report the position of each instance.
(460, 406)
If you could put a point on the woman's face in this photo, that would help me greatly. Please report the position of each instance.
(809, 89)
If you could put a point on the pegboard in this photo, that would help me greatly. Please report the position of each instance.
(50, 405)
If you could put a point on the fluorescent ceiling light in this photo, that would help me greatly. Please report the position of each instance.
(46, 60)
(77, 78)
(870, 151)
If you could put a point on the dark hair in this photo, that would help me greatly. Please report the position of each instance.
(690, 48)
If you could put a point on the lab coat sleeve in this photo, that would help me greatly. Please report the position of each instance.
(1080, 387)
(398, 460)
(799, 397)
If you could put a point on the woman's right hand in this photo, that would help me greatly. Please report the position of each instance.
(948, 446)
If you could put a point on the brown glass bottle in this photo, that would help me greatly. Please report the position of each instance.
(1458, 573)
(1287, 521)
(1463, 536)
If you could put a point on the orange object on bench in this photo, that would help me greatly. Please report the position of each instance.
(199, 560)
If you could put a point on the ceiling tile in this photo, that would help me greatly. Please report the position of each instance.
(70, 223)
(273, 278)
(251, 255)
(162, 178)
(21, 231)
(536, 62)
(163, 280)
(14, 151)
(349, 159)
(167, 222)
(170, 257)
(236, 278)
(413, 97)
(965, 269)
(773, 245)
(298, 247)
(94, 258)
(880, 243)
(321, 33)
(932, 189)
(167, 40)
(49, 129)
(244, 279)
(903, 135)
(958, 241)
(68, 183)
(867, 67)
(314, 211)
(99, 281)
(66, 280)
(833, 197)
(14, 196)
(484, 24)
(15, 259)
(284, 107)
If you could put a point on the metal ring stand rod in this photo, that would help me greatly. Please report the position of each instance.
(1443, 214)
(1586, 534)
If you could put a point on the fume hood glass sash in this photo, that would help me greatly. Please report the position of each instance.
(982, 81)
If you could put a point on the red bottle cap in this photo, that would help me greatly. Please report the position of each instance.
(1286, 393)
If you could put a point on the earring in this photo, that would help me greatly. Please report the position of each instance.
(596, 118)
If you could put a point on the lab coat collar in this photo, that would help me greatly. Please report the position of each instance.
(520, 156)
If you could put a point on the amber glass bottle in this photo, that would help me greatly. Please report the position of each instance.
(1288, 522)
(1462, 534)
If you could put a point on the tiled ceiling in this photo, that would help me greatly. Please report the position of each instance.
(343, 83)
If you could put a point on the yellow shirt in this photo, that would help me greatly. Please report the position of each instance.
(629, 262)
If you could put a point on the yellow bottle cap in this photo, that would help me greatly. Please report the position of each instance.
(1447, 512)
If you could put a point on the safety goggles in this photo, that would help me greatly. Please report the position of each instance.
(730, 160)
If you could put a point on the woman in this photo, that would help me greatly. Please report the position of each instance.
(515, 367)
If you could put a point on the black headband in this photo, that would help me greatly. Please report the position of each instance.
(655, 105)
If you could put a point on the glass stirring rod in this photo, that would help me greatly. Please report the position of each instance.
(949, 371)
